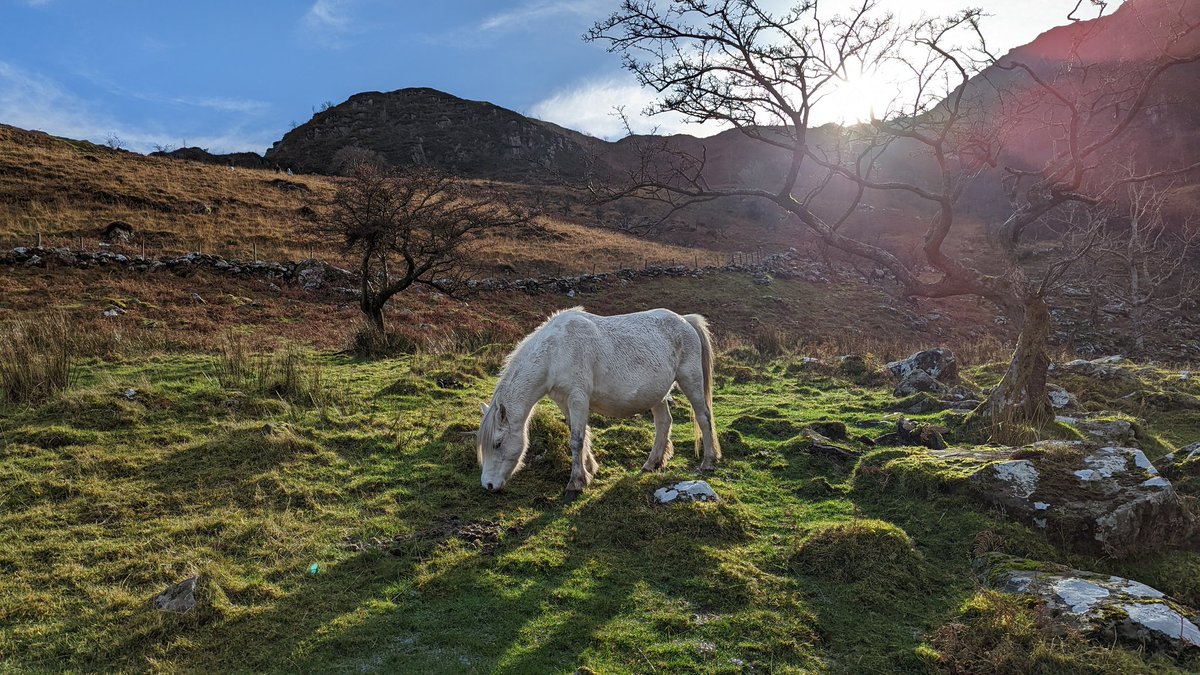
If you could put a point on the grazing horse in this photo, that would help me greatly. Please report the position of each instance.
(612, 365)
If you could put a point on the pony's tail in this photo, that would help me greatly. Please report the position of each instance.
(706, 358)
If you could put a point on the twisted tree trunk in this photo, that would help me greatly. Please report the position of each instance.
(1020, 401)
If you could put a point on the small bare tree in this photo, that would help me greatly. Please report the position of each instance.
(1141, 260)
(409, 226)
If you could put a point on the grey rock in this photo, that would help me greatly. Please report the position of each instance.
(1101, 606)
(915, 381)
(1112, 432)
(686, 491)
(1060, 398)
(938, 363)
(1108, 500)
(1104, 368)
(179, 598)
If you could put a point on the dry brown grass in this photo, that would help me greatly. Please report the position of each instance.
(67, 190)
(36, 355)
(555, 246)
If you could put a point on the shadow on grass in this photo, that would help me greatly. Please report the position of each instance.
(548, 592)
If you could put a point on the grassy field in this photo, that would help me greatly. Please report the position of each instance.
(248, 471)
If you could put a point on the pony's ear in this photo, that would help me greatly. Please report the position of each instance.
(503, 414)
(483, 408)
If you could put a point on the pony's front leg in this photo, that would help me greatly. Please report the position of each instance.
(583, 464)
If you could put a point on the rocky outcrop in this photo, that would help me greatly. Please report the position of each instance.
(248, 160)
(1103, 607)
(1106, 369)
(1103, 500)
(421, 126)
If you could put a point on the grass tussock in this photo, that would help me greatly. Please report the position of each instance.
(291, 374)
(875, 557)
(36, 357)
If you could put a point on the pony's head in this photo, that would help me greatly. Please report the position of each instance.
(499, 445)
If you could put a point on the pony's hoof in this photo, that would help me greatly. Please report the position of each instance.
(571, 495)
(647, 468)
(708, 468)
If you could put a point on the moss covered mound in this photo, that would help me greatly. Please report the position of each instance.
(876, 557)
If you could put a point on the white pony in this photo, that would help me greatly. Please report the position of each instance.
(612, 365)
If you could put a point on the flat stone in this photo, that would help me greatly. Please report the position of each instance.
(686, 491)
(1102, 607)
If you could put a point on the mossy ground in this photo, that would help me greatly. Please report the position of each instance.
(809, 563)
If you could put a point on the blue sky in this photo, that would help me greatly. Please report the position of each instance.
(234, 75)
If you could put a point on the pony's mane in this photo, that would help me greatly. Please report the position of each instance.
(487, 432)
(508, 360)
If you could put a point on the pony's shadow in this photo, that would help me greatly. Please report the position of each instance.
(614, 545)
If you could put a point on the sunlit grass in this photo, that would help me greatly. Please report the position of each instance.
(106, 501)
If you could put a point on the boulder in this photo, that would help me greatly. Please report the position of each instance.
(313, 274)
(686, 491)
(1108, 500)
(915, 381)
(118, 232)
(179, 598)
(1060, 398)
(913, 433)
(938, 363)
(1103, 607)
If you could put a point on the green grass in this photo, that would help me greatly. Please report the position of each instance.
(105, 502)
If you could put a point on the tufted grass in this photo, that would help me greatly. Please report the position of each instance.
(809, 563)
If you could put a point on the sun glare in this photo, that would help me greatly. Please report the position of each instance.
(857, 99)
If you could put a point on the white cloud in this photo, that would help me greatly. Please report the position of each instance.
(530, 13)
(591, 107)
(329, 22)
(31, 101)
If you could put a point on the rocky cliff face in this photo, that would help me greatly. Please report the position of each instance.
(423, 126)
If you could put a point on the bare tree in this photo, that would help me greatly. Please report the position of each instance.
(409, 226)
(764, 73)
(1141, 261)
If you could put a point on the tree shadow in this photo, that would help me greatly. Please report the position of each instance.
(534, 602)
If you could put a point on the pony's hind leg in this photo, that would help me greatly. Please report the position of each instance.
(661, 453)
(693, 388)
